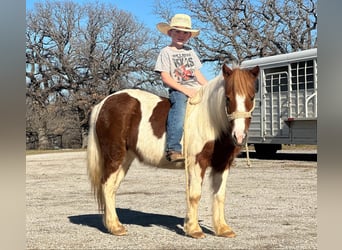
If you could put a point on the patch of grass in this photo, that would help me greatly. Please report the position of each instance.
(299, 146)
(48, 151)
(291, 147)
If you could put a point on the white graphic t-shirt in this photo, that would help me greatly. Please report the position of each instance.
(180, 63)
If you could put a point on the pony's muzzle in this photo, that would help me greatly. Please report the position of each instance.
(240, 139)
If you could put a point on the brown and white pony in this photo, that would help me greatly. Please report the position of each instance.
(131, 124)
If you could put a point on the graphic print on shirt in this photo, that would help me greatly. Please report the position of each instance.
(184, 65)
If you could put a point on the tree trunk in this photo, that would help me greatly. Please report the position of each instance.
(43, 142)
(84, 134)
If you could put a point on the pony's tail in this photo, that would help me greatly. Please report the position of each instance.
(94, 159)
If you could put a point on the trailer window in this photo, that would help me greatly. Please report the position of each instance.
(302, 75)
(276, 79)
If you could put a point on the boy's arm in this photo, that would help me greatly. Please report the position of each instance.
(200, 77)
(169, 81)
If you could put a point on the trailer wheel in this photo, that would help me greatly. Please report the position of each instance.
(266, 150)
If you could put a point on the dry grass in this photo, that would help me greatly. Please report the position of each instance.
(251, 147)
(302, 147)
(48, 151)
(292, 147)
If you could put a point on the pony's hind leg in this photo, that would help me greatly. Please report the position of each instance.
(221, 227)
(109, 188)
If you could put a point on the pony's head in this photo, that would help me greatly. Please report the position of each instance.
(240, 88)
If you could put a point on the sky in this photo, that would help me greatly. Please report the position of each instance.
(141, 9)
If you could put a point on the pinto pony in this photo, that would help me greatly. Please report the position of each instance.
(131, 124)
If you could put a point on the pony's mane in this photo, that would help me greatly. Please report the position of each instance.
(211, 109)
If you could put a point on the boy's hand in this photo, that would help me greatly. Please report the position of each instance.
(190, 92)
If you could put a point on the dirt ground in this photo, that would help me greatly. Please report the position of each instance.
(270, 205)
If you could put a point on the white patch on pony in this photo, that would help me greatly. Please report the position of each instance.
(239, 123)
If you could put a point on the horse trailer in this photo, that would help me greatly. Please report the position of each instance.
(285, 102)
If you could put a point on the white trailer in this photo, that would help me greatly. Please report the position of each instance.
(286, 101)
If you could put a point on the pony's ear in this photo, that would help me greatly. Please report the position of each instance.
(226, 70)
(255, 71)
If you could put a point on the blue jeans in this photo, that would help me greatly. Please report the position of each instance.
(175, 120)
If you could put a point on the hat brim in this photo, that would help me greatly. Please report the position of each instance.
(164, 28)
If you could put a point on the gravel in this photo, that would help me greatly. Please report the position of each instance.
(270, 205)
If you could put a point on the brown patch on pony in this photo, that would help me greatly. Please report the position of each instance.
(159, 117)
(244, 84)
(204, 157)
(218, 154)
(117, 129)
(243, 79)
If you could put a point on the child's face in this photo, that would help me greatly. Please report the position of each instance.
(179, 38)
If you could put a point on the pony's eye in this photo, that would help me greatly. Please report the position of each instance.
(227, 100)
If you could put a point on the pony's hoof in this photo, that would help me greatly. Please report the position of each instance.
(227, 234)
(197, 235)
(119, 231)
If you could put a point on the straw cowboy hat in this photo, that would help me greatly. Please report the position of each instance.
(178, 22)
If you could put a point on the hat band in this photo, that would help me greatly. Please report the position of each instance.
(180, 27)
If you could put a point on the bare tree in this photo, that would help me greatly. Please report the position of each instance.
(245, 29)
(49, 72)
(78, 54)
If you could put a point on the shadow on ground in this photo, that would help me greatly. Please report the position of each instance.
(128, 216)
(282, 156)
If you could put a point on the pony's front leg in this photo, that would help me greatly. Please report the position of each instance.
(221, 227)
(193, 196)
